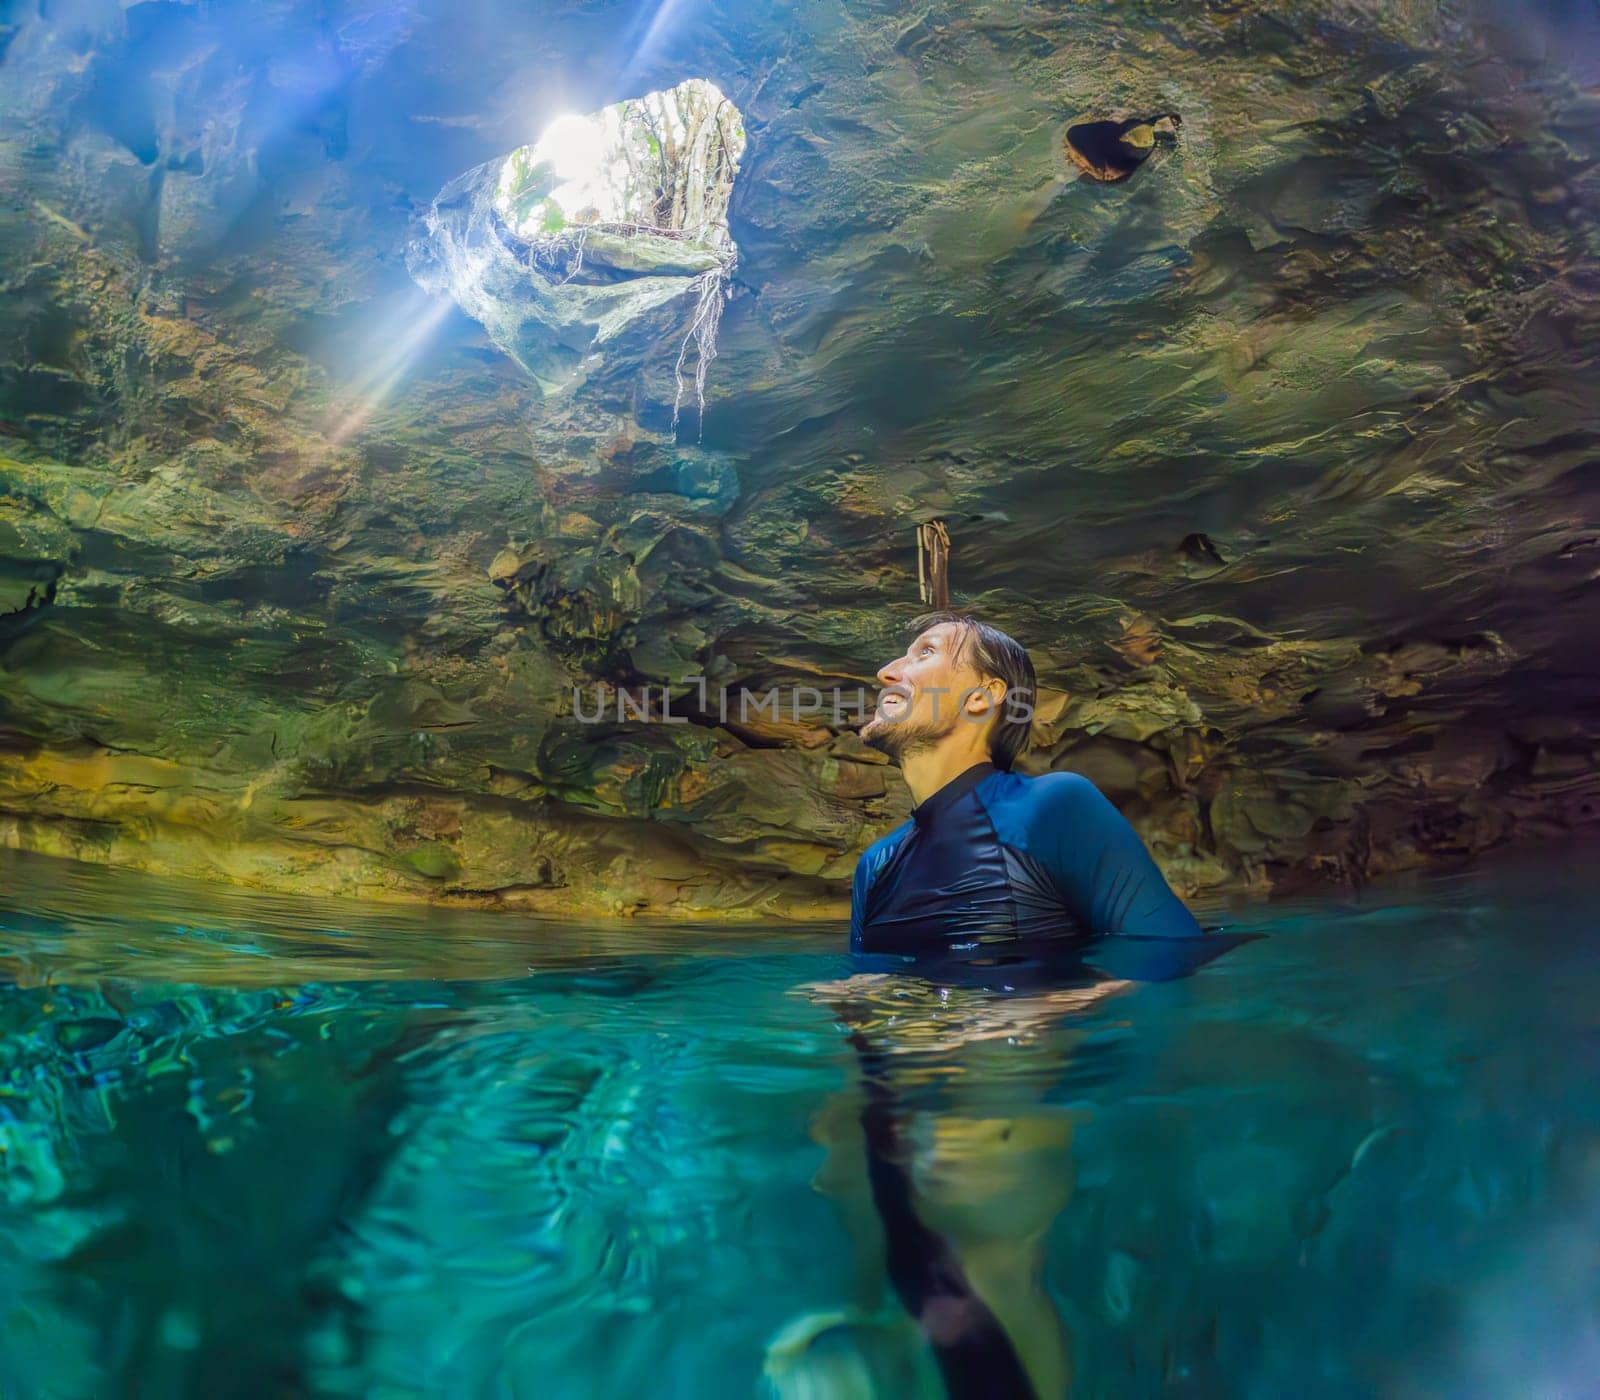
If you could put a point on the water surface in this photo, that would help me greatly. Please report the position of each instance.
(263, 1146)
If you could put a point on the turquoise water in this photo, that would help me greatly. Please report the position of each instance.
(259, 1146)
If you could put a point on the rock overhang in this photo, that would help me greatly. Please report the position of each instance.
(1332, 332)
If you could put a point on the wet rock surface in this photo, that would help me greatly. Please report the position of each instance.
(1279, 454)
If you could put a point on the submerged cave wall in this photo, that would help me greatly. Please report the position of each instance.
(1280, 454)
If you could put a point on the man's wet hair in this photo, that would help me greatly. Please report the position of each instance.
(992, 653)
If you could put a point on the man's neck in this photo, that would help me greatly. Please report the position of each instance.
(929, 770)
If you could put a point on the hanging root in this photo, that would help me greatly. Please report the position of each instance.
(711, 290)
(549, 249)
(580, 242)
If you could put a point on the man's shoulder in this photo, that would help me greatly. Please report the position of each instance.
(872, 859)
(1055, 792)
(885, 843)
(1035, 813)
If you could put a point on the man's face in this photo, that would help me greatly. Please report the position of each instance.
(922, 699)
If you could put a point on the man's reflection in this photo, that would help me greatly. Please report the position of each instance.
(967, 1166)
(965, 1172)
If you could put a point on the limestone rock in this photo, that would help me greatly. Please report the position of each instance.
(1277, 454)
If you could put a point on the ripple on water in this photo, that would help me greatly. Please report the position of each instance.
(1353, 1156)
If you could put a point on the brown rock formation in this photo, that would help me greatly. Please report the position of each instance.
(1280, 454)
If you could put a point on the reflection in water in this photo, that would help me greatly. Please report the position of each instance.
(250, 1148)
(964, 1185)
(964, 1207)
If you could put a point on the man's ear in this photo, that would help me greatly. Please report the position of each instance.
(996, 691)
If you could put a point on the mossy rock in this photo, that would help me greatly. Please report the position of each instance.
(435, 861)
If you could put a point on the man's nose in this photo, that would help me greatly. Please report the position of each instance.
(889, 672)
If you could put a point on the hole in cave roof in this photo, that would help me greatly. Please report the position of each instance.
(602, 222)
(662, 164)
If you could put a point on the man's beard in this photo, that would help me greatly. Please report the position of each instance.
(899, 737)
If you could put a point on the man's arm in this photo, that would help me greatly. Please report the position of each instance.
(858, 903)
(1101, 864)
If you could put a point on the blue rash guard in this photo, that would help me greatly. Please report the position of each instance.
(996, 862)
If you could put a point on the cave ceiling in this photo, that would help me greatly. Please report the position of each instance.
(1280, 452)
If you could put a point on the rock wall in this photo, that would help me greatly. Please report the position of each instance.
(1280, 454)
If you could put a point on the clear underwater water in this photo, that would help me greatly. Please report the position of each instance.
(263, 1146)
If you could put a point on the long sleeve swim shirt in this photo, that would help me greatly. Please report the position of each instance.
(995, 857)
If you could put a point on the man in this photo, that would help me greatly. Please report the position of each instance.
(991, 856)
(994, 874)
